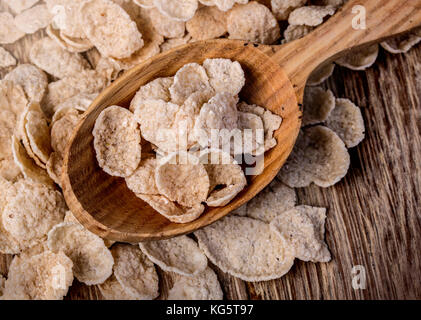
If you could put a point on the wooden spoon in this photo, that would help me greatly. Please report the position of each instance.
(276, 77)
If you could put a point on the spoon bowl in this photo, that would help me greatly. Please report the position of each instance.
(106, 206)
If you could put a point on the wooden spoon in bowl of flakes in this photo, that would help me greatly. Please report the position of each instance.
(128, 176)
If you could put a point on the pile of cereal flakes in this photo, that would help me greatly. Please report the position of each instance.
(84, 45)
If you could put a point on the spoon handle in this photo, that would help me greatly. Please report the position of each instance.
(344, 31)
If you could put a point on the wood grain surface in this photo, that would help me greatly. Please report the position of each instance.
(374, 215)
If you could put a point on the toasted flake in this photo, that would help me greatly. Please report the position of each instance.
(295, 32)
(61, 131)
(203, 286)
(188, 79)
(271, 122)
(143, 178)
(181, 178)
(169, 44)
(219, 113)
(253, 133)
(22, 133)
(347, 122)
(171, 210)
(167, 26)
(77, 104)
(50, 57)
(282, 8)
(226, 177)
(157, 89)
(44, 276)
(9, 170)
(117, 141)
(303, 229)
(147, 4)
(360, 59)
(7, 127)
(223, 5)
(9, 32)
(110, 29)
(33, 81)
(180, 255)
(245, 248)
(319, 156)
(157, 120)
(27, 165)
(6, 58)
(135, 272)
(32, 209)
(181, 10)
(402, 43)
(33, 19)
(38, 133)
(225, 75)
(271, 202)
(54, 167)
(8, 244)
(111, 289)
(108, 68)
(66, 16)
(207, 23)
(18, 6)
(92, 261)
(253, 22)
(75, 45)
(12, 97)
(322, 73)
(310, 15)
(70, 217)
(318, 104)
(89, 82)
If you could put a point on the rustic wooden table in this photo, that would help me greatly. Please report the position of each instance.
(374, 213)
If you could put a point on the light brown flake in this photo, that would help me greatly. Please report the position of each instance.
(347, 122)
(271, 202)
(182, 178)
(117, 141)
(207, 23)
(203, 286)
(135, 272)
(171, 210)
(6, 58)
(319, 156)
(310, 15)
(9, 32)
(33, 19)
(110, 29)
(318, 104)
(179, 254)
(253, 22)
(360, 59)
(92, 261)
(245, 248)
(31, 210)
(181, 10)
(282, 8)
(303, 228)
(50, 57)
(225, 75)
(33, 81)
(44, 276)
